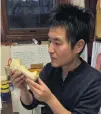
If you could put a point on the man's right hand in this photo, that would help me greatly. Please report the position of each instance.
(18, 80)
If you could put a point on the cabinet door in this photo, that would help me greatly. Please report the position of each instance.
(28, 13)
(64, 1)
(27, 19)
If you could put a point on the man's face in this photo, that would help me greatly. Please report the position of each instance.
(60, 50)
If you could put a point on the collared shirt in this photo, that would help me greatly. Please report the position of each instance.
(80, 92)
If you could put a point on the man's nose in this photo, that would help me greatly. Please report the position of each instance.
(51, 48)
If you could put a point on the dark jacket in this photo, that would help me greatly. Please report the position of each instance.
(80, 93)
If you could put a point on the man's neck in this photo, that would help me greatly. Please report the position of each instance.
(70, 67)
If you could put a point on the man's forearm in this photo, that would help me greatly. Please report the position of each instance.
(26, 97)
(56, 106)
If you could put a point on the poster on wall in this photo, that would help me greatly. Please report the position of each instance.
(96, 55)
(80, 3)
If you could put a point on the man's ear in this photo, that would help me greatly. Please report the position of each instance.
(79, 46)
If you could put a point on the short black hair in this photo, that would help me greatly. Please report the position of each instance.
(77, 21)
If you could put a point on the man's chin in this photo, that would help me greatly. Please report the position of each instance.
(54, 65)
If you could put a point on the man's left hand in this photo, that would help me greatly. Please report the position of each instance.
(40, 90)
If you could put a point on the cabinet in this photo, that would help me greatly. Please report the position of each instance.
(26, 19)
(23, 20)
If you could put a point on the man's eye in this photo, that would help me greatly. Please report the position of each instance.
(57, 43)
(49, 40)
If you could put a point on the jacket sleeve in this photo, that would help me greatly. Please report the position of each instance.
(90, 102)
(33, 105)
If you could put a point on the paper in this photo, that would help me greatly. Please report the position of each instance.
(31, 54)
(96, 50)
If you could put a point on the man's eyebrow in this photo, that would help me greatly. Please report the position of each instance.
(56, 39)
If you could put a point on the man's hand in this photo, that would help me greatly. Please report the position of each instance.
(41, 91)
(18, 80)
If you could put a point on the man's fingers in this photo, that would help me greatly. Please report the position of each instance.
(40, 82)
(19, 83)
(12, 72)
(33, 84)
(34, 90)
(15, 75)
(18, 79)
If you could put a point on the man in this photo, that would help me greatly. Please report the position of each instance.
(67, 85)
